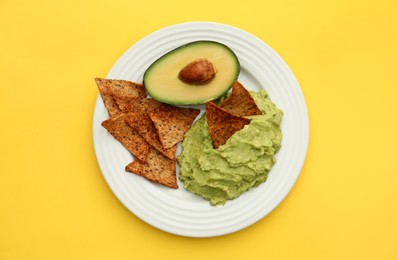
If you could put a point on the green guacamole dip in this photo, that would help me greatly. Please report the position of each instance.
(244, 161)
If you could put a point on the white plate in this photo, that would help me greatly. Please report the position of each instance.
(179, 211)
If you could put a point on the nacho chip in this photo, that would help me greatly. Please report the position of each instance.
(240, 102)
(115, 93)
(108, 101)
(222, 124)
(172, 123)
(143, 105)
(127, 136)
(142, 123)
(157, 168)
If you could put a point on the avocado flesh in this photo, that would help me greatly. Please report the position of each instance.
(161, 78)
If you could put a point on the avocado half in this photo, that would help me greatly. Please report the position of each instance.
(163, 84)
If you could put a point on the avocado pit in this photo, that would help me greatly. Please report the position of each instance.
(198, 72)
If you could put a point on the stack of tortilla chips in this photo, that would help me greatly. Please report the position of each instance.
(149, 129)
(227, 118)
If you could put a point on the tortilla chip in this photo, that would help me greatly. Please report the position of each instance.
(142, 123)
(116, 92)
(157, 168)
(127, 136)
(143, 105)
(107, 98)
(172, 123)
(222, 124)
(240, 102)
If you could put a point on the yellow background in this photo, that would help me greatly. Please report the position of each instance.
(54, 202)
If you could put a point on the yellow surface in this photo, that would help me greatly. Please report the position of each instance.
(54, 202)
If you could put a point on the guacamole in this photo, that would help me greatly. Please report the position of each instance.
(244, 161)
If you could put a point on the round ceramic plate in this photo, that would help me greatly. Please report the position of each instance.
(179, 211)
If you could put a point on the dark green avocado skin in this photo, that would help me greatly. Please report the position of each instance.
(189, 45)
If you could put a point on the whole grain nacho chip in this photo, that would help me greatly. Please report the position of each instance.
(127, 136)
(172, 123)
(157, 168)
(222, 124)
(108, 101)
(142, 123)
(116, 92)
(143, 105)
(240, 102)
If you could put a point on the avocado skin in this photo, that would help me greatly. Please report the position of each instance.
(178, 49)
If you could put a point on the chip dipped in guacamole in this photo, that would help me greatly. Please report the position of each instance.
(243, 162)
